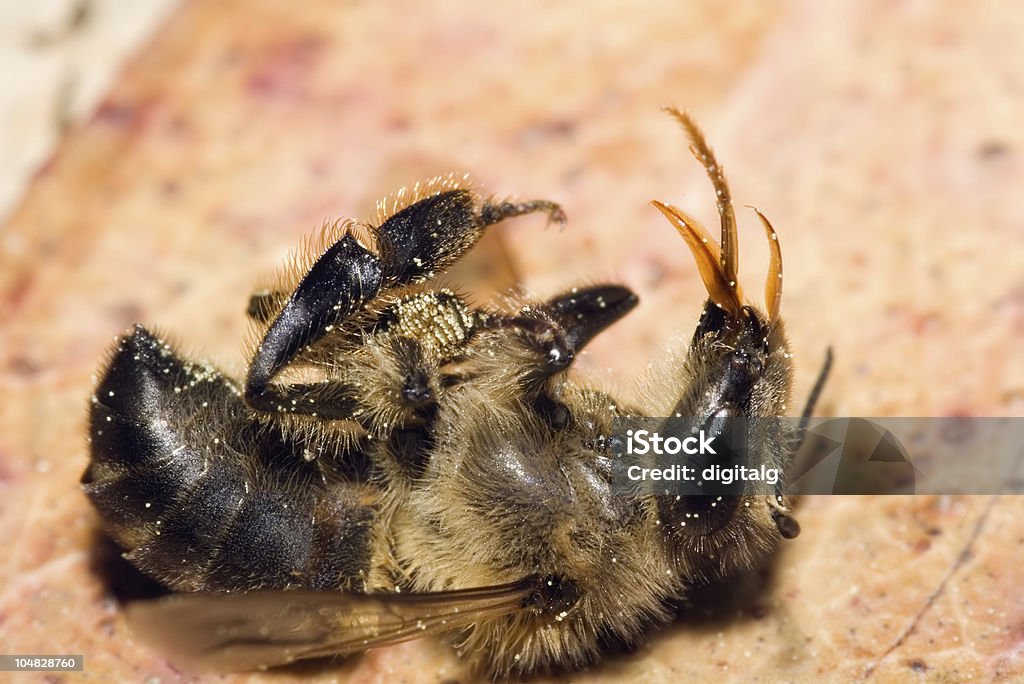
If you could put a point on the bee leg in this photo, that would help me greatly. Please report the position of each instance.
(413, 245)
(494, 213)
(555, 331)
(812, 398)
(341, 281)
(781, 515)
(583, 313)
(432, 234)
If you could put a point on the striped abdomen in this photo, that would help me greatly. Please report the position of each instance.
(203, 496)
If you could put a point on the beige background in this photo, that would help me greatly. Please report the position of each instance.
(884, 140)
(59, 58)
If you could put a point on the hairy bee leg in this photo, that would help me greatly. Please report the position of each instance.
(804, 461)
(586, 312)
(341, 281)
(430, 235)
(552, 333)
(329, 400)
(414, 244)
(392, 379)
(583, 314)
(494, 213)
(556, 330)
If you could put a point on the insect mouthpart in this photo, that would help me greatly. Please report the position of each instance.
(718, 264)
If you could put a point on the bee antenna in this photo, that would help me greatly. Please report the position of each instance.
(730, 258)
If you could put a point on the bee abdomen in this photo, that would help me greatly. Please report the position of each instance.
(199, 498)
(266, 544)
(140, 465)
(231, 536)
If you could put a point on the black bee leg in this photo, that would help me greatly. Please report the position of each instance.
(576, 317)
(493, 213)
(812, 399)
(559, 329)
(585, 312)
(341, 281)
(784, 520)
(556, 330)
(430, 235)
(413, 244)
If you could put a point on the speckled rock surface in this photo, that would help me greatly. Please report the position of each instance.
(884, 142)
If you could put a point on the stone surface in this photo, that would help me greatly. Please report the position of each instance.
(60, 58)
(883, 141)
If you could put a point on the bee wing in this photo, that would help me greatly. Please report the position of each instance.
(258, 630)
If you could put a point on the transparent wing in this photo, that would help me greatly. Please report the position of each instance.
(258, 630)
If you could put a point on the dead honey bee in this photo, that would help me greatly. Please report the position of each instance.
(398, 463)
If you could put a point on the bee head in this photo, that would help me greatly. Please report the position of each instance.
(741, 351)
(737, 366)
